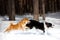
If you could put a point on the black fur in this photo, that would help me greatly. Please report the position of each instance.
(38, 25)
(49, 24)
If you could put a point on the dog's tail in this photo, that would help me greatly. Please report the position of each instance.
(8, 28)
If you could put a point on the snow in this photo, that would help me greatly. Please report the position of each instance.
(33, 34)
(19, 35)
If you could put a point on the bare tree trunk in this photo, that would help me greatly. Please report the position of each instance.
(31, 8)
(55, 5)
(47, 6)
(36, 10)
(11, 8)
(59, 5)
(40, 7)
(43, 9)
(52, 5)
(21, 6)
(2, 8)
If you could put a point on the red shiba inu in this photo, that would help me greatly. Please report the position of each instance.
(19, 26)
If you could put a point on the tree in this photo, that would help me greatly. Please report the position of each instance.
(43, 9)
(36, 9)
(52, 5)
(55, 5)
(11, 9)
(2, 8)
(21, 6)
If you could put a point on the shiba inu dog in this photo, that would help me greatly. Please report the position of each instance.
(19, 26)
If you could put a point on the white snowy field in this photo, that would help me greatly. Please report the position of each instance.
(33, 34)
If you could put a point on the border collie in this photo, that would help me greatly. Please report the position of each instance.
(38, 25)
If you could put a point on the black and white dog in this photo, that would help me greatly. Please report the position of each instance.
(38, 25)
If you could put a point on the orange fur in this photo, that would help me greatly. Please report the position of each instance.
(19, 26)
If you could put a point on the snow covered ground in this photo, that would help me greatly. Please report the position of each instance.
(33, 34)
